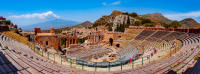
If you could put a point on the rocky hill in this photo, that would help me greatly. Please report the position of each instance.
(156, 17)
(84, 24)
(118, 18)
(114, 19)
(190, 23)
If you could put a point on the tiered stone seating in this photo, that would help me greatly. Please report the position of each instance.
(25, 59)
(157, 36)
(195, 69)
(130, 34)
(143, 35)
(7, 67)
(188, 51)
(128, 52)
(88, 53)
(174, 35)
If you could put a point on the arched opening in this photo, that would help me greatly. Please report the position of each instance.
(47, 43)
(118, 45)
(70, 41)
(111, 41)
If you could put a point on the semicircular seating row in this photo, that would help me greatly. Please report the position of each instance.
(27, 61)
(188, 51)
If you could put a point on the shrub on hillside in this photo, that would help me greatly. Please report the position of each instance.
(146, 21)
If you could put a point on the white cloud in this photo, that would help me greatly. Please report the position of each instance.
(44, 15)
(113, 3)
(104, 3)
(180, 16)
(116, 3)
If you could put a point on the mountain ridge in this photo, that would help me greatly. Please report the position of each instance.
(55, 23)
(118, 18)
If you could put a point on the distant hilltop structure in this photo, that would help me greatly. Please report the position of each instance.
(6, 25)
(2, 18)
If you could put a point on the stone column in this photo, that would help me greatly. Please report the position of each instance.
(75, 41)
(66, 42)
(188, 30)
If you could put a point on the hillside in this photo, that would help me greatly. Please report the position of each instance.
(156, 17)
(84, 24)
(118, 19)
(190, 23)
(115, 19)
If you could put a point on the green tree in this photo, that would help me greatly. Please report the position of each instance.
(165, 25)
(128, 20)
(175, 24)
(1, 22)
(110, 28)
(8, 22)
(125, 13)
(137, 23)
(63, 41)
(146, 21)
(16, 31)
(133, 14)
(149, 24)
(82, 40)
(120, 28)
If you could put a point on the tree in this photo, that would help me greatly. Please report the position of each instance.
(110, 28)
(149, 24)
(133, 14)
(146, 21)
(165, 25)
(175, 24)
(63, 41)
(109, 24)
(1, 22)
(82, 40)
(120, 28)
(16, 31)
(128, 20)
(137, 23)
(8, 22)
(126, 25)
(125, 13)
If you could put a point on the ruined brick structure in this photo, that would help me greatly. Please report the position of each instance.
(47, 40)
(113, 35)
(95, 37)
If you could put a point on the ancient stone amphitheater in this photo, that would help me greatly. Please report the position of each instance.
(157, 52)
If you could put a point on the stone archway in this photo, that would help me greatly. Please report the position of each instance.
(111, 41)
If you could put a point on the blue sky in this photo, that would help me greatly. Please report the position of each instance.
(26, 12)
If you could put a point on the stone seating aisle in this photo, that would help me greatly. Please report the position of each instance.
(36, 65)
